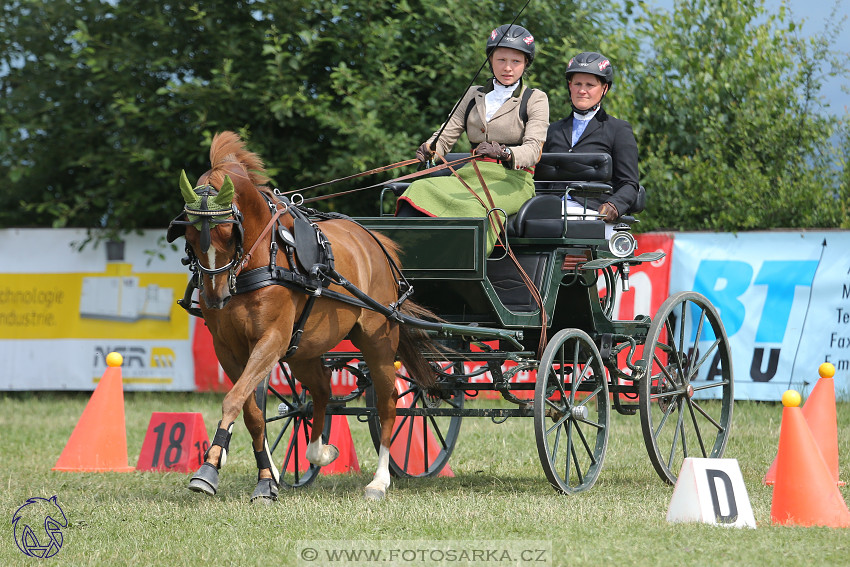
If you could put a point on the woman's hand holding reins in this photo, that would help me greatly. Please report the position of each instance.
(424, 152)
(493, 150)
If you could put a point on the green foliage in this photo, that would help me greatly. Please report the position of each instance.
(731, 133)
(104, 102)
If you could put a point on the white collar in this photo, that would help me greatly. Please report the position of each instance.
(585, 117)
(494, 99)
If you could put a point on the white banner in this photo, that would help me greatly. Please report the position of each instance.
(784, 298)
(63, 310)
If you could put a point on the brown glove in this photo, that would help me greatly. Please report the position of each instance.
(492, 150)
(610, 212)
(424, 152)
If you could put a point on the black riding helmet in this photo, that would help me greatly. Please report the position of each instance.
(514, 37)
(591, 63)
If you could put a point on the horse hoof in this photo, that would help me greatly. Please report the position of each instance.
(265, 492)
(328, 455)
(205, 480)
(375, 494)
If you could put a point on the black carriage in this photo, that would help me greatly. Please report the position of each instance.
(674, 369)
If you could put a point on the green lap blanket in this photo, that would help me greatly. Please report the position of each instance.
(447, 196)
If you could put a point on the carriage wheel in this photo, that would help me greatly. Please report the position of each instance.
(288, 414)
(686, 390)
(421, 444)
(571, 411)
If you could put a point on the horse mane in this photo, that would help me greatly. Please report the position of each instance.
(228, 148)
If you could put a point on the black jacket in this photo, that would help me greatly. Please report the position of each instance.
(604, 134)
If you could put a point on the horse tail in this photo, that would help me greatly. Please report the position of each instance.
(412, 342)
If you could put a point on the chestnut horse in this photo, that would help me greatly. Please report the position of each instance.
(231, 210)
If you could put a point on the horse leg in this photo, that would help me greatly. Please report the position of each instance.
(316, 378)
(205, 479)
(383, 380)
(268, 477)
(262, 360)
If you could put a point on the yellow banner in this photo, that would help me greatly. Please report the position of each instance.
(117, 304)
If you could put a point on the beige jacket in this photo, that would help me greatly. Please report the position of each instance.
(524, 140)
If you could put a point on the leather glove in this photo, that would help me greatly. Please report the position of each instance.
(610, 212)
(492, 150)
(424, 152)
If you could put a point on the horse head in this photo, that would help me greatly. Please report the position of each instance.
(221, 214)
(212, 225)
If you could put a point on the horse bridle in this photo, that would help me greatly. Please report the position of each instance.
(210, 219)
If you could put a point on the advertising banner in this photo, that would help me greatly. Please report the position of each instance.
(784, 299)
(62, 310)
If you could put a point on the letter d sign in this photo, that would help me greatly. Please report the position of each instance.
(711, 491)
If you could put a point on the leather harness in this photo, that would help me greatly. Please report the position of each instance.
(311, 266)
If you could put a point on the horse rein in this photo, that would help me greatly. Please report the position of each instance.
(499, 230)
(413, 175)
(380, 169)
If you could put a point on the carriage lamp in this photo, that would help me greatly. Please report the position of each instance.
(622, 243)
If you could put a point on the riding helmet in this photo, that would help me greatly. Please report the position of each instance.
(514, 37)
(592, 63)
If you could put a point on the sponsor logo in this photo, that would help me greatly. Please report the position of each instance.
(38, 525)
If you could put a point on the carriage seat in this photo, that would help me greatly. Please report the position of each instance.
(583, 175)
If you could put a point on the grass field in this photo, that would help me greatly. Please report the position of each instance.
(499, 492)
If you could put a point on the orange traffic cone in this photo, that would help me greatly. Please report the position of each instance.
(99, 440)
(805, 493)
(408, 447)
(341, 438)
(819, 411)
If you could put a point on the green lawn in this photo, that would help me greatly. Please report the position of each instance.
(499, 492)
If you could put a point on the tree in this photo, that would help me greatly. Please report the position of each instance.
(105, 102)
(728, 122)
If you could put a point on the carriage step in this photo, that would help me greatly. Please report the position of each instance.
(626, 409)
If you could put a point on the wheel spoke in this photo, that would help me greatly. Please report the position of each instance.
(698, 407)
(711, 385)
(569, 454)
(685, 451)
(694, 348)
(559, 423)
(666, 415)
(696, 428)
(590, 397)
(695, 368)
(665, 373)
(576, 380)
(557, 442)
(577, 465)
(675, 440)
(584, 442)
(409, 441)
(398, 427)
(437, 432)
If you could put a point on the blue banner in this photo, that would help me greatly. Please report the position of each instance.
(784, 299)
